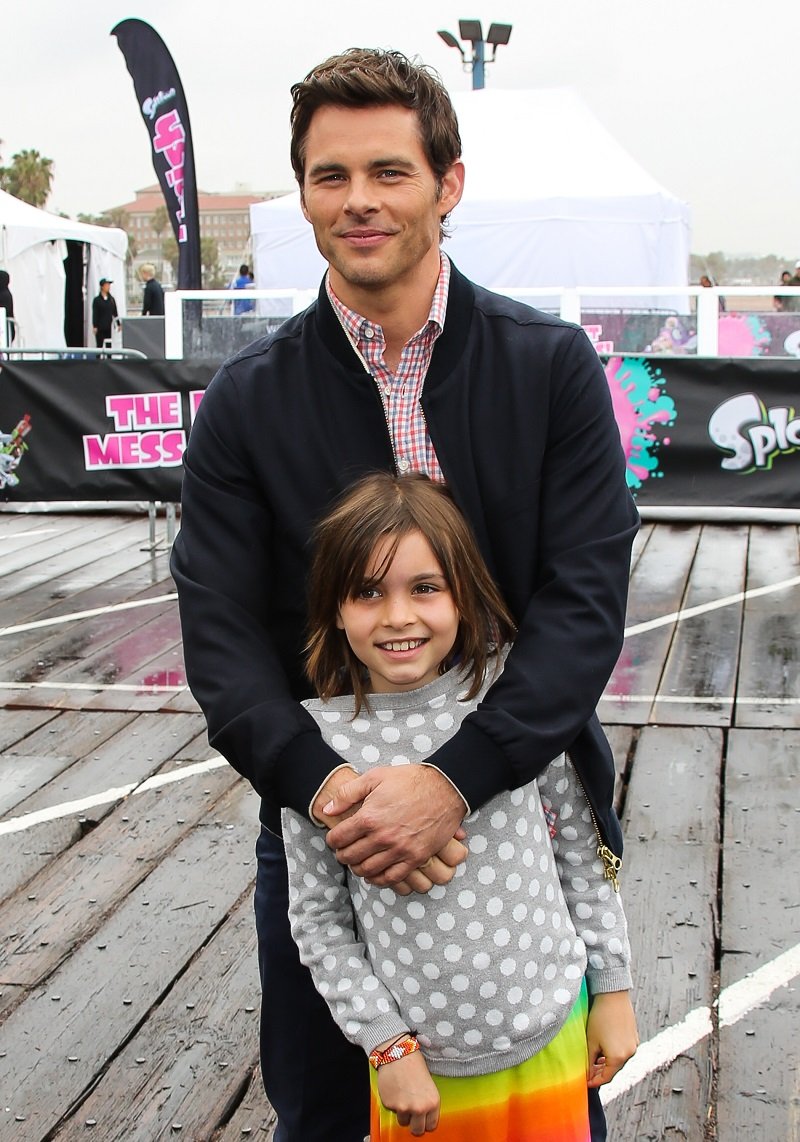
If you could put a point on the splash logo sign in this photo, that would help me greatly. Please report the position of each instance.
(753, 433)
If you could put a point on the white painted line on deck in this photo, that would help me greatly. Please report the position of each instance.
(25, 534)
(98, 687)
(694, 700)
(76, 615)
(68, 808)
(703, 608)
(734, 1003)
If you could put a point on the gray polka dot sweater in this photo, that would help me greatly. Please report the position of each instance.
(486, 968)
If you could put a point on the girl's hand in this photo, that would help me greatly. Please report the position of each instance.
(406, 1087)
(611, 1035)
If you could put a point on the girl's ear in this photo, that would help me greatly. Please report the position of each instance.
(339, 623)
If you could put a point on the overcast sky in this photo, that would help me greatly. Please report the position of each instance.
(703, 93)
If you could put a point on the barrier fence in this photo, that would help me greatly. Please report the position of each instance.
(703, 438)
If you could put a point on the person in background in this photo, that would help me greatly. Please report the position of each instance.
(153, 296)
(707, 283)
(483, 1033)
(243, 281)
(7, 302)
(791, 302)
(104, 313)
(401, 364)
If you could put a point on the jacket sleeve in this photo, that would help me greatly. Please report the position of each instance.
(221, 567)
(571, 630)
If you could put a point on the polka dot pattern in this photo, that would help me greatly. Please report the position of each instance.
(491, 962)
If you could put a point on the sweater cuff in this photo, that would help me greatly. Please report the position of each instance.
(301, 771)
(477, 768)
(609, 979)
(380, 1030)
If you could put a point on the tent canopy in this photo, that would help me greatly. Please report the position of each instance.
(33, 249)
(550, 199)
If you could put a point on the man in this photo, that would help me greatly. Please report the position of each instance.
(243, 281)
(791, 302)
(400, 364)
(104, 312)
(153, 295)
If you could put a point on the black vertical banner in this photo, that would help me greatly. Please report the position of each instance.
(166, 116)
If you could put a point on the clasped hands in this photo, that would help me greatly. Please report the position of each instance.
(395, 826)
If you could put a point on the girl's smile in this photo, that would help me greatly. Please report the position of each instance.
(405, 624)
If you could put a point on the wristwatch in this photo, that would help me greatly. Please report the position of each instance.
(398, 1050)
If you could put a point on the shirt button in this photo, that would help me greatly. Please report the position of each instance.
(388, 390)
(403, 465)
(369, 333)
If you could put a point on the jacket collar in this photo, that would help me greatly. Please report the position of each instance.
(449, 345)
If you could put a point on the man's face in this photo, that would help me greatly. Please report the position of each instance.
(372, 198)
(104, 288)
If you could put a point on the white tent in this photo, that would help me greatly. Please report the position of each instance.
(550, 199)
(33, 249)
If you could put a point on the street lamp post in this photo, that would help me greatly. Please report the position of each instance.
(472, 32)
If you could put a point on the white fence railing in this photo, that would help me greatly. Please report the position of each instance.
(570, 302)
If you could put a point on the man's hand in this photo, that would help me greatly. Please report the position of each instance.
(328, 794)
(611, 1035)
(406, 1087)
(405, 815)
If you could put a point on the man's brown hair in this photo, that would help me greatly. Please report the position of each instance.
(381, 506)
(368, 77)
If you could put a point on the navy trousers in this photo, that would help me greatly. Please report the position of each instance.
(316, 1081)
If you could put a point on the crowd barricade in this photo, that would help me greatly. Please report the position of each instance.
(704, 438)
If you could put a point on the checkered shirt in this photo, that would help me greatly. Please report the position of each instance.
(401, 391)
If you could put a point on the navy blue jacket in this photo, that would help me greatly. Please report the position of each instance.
(520, 415)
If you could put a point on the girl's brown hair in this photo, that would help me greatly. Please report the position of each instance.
(380, 506)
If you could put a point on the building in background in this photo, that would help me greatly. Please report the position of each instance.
(224, 220)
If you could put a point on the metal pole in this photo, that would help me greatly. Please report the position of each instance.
(478, 69)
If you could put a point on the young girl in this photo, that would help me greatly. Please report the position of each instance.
(471, 1001)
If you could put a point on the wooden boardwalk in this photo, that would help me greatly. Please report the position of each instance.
(128, 980)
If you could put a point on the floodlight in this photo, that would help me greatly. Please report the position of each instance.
(499, 34)
(448, 38)
(470, 30)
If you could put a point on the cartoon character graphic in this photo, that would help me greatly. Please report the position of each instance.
(640, 403)
(12, 448)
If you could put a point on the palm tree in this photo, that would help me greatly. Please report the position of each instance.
(28, 177)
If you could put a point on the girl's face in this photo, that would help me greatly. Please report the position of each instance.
(403, 626)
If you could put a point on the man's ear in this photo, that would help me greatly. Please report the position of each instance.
(303, 205)
(452, 187)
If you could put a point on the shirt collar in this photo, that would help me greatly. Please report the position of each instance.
(354, 324)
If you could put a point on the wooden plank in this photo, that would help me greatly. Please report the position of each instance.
(63, 740)
(253, 1118)
(28, 566)
(620, 738)
(132, 754)
(703, 660)
(759, 1056)
(15, 725)
(25, 854)
(769, 674)
(87, 882)
(186, 1067)
(59, 1041)
(669, 879)
(640, 541)
(61, 599)
(656, 589)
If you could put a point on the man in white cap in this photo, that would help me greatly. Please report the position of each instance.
(104, 310)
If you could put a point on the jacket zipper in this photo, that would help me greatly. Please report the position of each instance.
(386, 418)
(611, 862)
